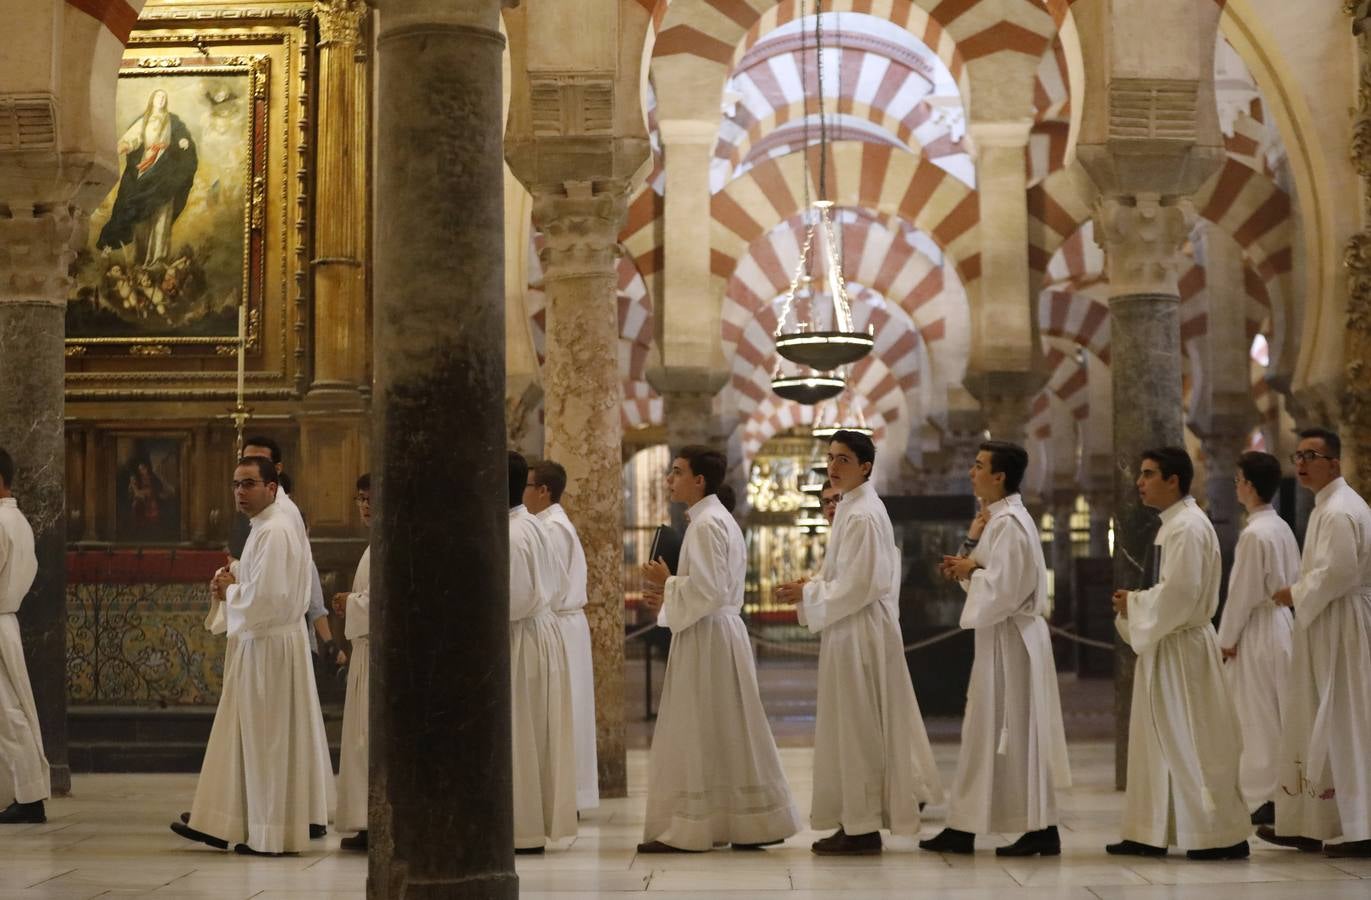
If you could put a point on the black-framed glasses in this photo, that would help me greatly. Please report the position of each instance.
(363, 498)
(1300, 456)
(830, 501)
(246, 484)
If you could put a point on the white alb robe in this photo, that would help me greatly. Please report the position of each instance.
(351, 814)
(544, 749)
(1184, 741)
(1266, 560)
(259, 774)
(1013, 753)
(714, 774)
(24, 775)
(322, 792)
(569, 606)
(1324, 778)
(873, 765)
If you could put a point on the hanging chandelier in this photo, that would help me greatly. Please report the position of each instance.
(822, 345)
(809, 389)
(846, 415)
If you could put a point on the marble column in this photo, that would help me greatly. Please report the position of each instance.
(340, 323)
(441, 818)
(1222, 449)
(1142, 238)
(1000, 371)
(1356, 401)
(1101, 513)
(580, 222)
(35, 255)
(1063, 504)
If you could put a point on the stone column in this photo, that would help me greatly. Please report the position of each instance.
(1356, 401)
(1222, 449)
(1101, 512)
(441, 785)
(340, 320)
(1000, 371)
(35, 256)
(583, 430)
(1142, 238)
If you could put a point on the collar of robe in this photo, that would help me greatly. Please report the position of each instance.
(1328, 490)
(1186, 502)
(8, 501)
(702, 504)
(515, 511)
(1005, 505)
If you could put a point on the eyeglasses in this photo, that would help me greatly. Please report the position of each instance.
(830, 501)
(363, 499)
(1300, 456)
(246, 484)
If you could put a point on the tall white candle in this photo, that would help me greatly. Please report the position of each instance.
(242, 346)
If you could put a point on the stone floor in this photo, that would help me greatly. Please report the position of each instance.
(111, 839)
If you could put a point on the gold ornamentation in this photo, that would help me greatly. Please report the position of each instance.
(150, 350)
(159, 62)
(75, 351)
(340, 21)
(1356, 408)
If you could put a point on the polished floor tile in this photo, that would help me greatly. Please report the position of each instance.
(110, 839)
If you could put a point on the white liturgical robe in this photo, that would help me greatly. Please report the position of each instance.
(1266, 560)
(544, 749)
(321, 798)
(259, 774)
(1013, 753)
(353, 754)
(24, 774)
(1184, 740)
(873, 765)
(714, 775)
(569, 606)
(1324, 780)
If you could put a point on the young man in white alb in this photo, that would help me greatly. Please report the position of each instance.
(873, 765)
(543, 498)
(1013, 753)
(714, 775)
(24, 777)
(1324, 793)
(1255, 633)
(353, 757)
(1182, 756)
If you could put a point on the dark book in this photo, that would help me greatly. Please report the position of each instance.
(666, 544)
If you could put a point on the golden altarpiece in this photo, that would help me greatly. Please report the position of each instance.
(227, 266)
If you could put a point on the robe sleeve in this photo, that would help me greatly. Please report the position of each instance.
(1158, 611)
(263, 598)
(358, 622)
(686, 599)
(215, 622)
(1333, 571)
(8, 604)
(523, 595)
(1246, 586)
(995, 591)
(560, 540)
(863, 575)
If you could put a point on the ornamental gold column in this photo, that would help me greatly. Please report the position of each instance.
(1149, 140)
(1356, 400)
(333, 433)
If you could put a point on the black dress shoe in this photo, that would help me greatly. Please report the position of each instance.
(1237, 851)
(659, 847)
(1133, 848)
(316, 831)
(840, 843)
(191, 834)
(950, 840)
(1348, 850)
(760, 845)
(528, 851)
(357, 842)
(1264, 814)
(1303, 844)
(245, 850)
(23, 814)
(1045, 841)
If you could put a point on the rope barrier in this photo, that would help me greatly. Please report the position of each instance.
(810, 648)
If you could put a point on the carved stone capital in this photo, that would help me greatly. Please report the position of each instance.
(36, 253)
(580, 224)
(1141, 236)
(340, 21)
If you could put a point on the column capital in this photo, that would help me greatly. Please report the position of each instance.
(1011, 133)
(340, 21)
(36, 253)
(1141, 235)
(580, 222)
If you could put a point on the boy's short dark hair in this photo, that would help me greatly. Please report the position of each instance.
(1009, 458)
(1262, 471)
(264, 441)
(707, 462)
(550, 475)
(6, 468)
(1173, 461)
(518, 478)
(265, 470)
(860, 444)
(1330, 439)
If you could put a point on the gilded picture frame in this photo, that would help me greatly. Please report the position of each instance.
(258, 59)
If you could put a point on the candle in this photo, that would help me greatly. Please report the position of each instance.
(242, 346)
